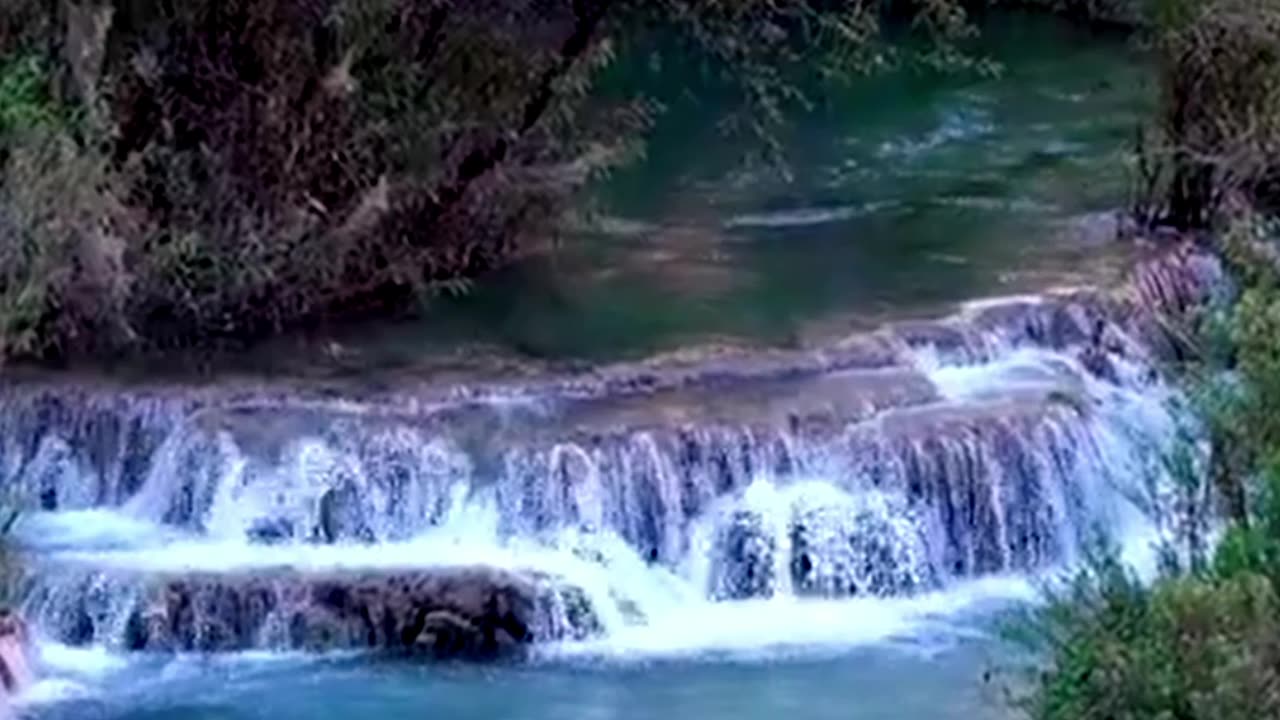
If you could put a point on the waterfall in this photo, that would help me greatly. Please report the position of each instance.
(729, 499)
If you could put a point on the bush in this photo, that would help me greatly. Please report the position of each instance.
(1203, 640)
(1217, 138)
(24, 104)
(61, 266)
(1124, 13)
(292, 161)
(1186, 649)
(272, 163)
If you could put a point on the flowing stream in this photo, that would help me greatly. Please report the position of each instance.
(865, 513)
(833, 530)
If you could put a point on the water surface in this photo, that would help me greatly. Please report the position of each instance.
(907, 192)
(912, 681)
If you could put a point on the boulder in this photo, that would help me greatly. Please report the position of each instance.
(467, 612)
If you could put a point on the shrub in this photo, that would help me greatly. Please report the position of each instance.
(271, 163)
(1203, 640)
(61, 263)
(24, 104)
(1217, 137)
(1187, 648)
(62, 277)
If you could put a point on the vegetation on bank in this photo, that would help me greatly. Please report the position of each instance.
(1215, 146)
(204, 172)
(1202, 642)
(208, 173)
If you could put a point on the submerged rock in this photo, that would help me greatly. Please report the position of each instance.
(270, 531)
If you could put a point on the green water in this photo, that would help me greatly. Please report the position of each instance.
(909, 191)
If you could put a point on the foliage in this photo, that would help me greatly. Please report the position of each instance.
(23, 23)
(1125, 13)
(1203, 640)
(1217, 137)
(1187, 648)
(56, 263)
(24, 104)
(1201, 644)
(1236, 383)
(271, 163)
(59, 260)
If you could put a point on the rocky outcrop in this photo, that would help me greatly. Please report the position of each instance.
(746, 554)
(468, 613)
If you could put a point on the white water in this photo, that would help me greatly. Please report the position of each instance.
(651, 609)
(654, 610)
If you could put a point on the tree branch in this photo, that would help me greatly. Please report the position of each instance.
(481, 161)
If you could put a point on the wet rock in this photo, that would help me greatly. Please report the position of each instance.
(1098, 363)
(1173, 282)
(744, 559)
(447, 634)
(467, 613)
(341, 517)
(954, 342)
(1163, 290)
(1054, 322)
(580, 619)
(845, 551)
(1099, 229)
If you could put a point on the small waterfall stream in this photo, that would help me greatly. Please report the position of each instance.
(827, 498)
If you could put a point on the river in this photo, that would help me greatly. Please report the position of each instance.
(907, 194)
(832, 523)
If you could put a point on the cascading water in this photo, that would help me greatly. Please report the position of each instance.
(830, 500)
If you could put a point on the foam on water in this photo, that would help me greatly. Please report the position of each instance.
(807, 217)
(1023, 369)
(793, 626)
(98, 529)
(893, 531)
(67, 673)
(962, 124)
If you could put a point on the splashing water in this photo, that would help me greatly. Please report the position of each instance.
(813, 509)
